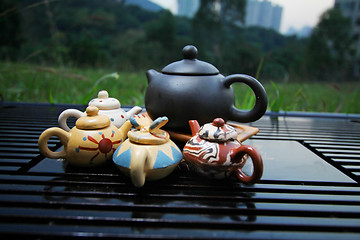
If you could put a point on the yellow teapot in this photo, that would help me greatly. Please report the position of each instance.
(90, 143)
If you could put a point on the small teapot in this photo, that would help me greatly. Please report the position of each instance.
(110, 107)
(90, 143)
(214, 151)
(148, 153)
(193, 89)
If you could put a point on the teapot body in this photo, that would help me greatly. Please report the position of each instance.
(182, 98)
(193, 89)
(92, 147)
(215, 152)
(90, 143)
(117, 116)
(148, 153)
(213, 159)
(83, 148)
(143, 162)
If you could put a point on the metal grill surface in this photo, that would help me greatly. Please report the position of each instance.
(43, 198)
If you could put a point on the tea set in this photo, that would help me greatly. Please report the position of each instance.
(189, 102)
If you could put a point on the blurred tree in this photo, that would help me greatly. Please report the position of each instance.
(329, 53)
(210, 23)
(240, 57)
(163, 31)
(112, 34)
(221, 12)
(267, 38)
(10, 29)
(285, 61)
(86, 51)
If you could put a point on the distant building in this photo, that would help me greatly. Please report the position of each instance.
(188, 8)
(264, 14)
(351, 9)
(276, 17)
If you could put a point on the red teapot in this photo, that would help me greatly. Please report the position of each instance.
(215, 152)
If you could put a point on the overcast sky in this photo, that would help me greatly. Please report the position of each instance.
(296, 13)
(300, 13)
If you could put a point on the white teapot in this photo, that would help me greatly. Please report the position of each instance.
(107, 106)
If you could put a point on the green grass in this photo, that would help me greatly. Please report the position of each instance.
(306, 96)
(33, 83)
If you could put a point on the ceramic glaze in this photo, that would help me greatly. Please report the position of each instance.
(108, 106)
(218, 131)
(148, 153)
(90, 143)
(193, 89)
(214, 151)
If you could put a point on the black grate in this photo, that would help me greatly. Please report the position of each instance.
(337, 141)
(45, 198)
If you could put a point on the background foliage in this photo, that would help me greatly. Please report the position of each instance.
(112, 34)
(53, 37)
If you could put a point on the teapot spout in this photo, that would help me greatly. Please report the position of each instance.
(194, 126)
(124, 129)
(150, 74)
(135, 110)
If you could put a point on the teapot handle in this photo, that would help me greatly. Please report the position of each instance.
(62, 120)
(44, 138)
(261, 98)
(257, 164)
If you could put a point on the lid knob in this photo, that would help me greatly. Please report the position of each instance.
(190, 52)
(103, 94)
(218, 122)
(92, 111)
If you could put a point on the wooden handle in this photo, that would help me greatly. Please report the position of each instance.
(246, 131)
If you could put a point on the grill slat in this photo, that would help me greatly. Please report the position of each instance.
(146, 223)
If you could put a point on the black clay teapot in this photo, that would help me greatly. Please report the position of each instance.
(193, 89)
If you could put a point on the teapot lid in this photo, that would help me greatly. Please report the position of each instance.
(92, 120)
(218, 131)
(103, 102)
(190, 66)
(147, 132)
